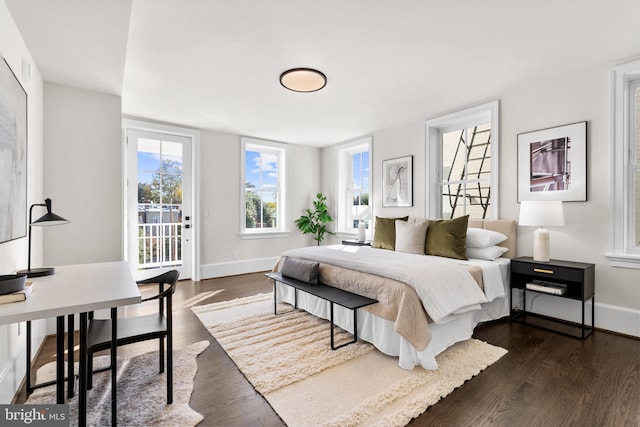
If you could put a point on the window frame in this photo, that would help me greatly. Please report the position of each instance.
(344, 153)
(622, 251)
(466, 118)
(281, 150)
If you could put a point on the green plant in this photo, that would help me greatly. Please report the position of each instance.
(314, 221)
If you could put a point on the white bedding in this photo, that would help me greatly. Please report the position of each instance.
(443, 288)
(380, 332)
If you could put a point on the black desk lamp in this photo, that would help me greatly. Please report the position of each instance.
(46, 220)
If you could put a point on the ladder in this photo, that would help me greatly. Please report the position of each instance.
(478, 153)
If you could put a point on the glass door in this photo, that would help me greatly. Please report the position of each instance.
(158, 203)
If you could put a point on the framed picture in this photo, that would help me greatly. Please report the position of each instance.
(552, 164)
(397, 182)
(13, 156)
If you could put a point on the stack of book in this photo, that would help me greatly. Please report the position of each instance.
(547, 287)
(18, 296)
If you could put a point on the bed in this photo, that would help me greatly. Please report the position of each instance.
(426, 303)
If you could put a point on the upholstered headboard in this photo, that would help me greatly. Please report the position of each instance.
(504, 226)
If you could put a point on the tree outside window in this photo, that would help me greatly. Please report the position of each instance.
(354, 187)
(263, 185)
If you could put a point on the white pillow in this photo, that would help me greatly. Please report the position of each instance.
(490, 254)
(482, 238)
(410, 237)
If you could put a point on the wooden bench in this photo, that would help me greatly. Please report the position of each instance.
(338, 296)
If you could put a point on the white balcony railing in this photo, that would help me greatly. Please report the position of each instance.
(159, 245)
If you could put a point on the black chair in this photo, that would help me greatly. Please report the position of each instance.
(140, 328)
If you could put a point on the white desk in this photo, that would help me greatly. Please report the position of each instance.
(76, 289)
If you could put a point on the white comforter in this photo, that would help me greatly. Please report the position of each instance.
(444, 288)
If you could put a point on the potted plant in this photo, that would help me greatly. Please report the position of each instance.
(315, 221)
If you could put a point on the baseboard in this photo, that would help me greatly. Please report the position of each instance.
(13, 369)
(608, 317)
(233, 268)
(11, 374)
(618, 319)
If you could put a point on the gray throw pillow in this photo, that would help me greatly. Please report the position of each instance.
(301, 269)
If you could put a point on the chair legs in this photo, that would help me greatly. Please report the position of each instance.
(89, 371)
(129, 331)
(169, 352)
(161, 352)
(169, 369)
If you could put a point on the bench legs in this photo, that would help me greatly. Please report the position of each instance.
(275, 301)
(355, 329)
(295, 307)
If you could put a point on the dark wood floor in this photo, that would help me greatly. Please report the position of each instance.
(546, 379)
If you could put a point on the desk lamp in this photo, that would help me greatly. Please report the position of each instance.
(541, 213)
(47, 219)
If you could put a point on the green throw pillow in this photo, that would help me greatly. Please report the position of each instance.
(448, 237)
(385, 233)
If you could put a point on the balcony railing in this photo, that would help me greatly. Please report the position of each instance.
(159, 245)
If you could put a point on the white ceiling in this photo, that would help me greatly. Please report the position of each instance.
(214, 64)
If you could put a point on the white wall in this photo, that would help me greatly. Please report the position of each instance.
(530, 105)
(83, 174)
(558, 100)
(400, 141)
(220, 197)
(79, 159)
(13, 255)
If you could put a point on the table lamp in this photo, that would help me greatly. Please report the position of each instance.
(46, 220)
(541, 213)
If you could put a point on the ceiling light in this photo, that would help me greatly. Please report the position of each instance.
(303, 80)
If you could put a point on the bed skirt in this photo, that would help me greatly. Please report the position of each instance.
(380, 332)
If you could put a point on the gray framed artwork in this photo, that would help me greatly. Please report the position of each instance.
(13, 156)
(397, 182)
(552, 164)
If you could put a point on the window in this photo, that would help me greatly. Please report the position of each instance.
(462, 150)
(354, 177)
(263, 195)
(625, 209)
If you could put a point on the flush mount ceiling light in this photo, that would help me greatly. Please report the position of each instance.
(303, 80)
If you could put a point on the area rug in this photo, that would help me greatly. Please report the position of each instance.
(288, 359)
(142, 391)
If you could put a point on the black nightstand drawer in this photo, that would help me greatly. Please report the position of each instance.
(552, 272)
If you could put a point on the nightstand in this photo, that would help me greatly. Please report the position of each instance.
(354, 242)
(560, 279)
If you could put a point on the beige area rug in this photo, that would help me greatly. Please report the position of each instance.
(289, 361)
(142, 391)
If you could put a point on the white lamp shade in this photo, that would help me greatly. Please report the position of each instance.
(541, 213)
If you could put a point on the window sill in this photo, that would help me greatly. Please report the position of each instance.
(624, 260)
(264, 235)
(345, 234)
(354, 235)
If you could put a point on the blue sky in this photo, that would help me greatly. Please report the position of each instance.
(361, 167)
(149, 163)
(261, 169)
